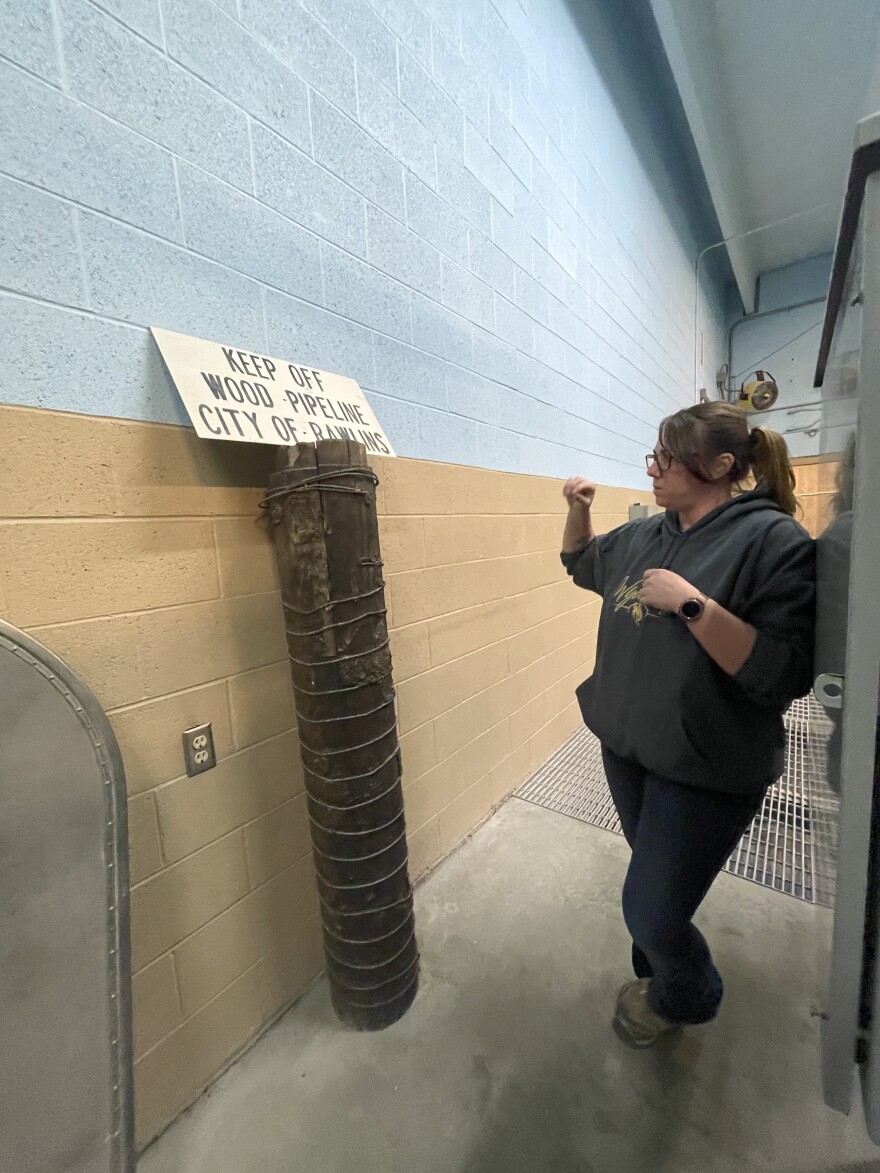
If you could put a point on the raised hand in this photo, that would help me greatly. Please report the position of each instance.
(579, 491)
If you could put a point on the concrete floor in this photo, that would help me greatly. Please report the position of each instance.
(507, 1063)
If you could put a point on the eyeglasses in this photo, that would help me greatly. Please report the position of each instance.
(662, 459)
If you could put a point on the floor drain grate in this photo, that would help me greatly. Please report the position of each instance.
(792, 844)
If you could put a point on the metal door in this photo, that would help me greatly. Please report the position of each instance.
(848, 626)
(65, 1050)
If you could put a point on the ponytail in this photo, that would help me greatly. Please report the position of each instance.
(772, 468)
(696, 436)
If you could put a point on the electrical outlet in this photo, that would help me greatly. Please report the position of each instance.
(198, 750)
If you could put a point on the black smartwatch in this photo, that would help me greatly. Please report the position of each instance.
(691, 610)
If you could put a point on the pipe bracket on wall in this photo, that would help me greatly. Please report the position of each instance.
(65, 1007)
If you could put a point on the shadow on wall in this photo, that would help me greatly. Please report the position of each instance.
(626, 49)
(237, 465)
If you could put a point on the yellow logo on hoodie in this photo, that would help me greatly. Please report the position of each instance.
(628, 598)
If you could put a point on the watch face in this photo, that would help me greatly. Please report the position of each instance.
(692, 609)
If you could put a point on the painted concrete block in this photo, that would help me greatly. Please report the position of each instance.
(407, 373)
(28, 38)
(141, 15)
(305, 45)
(530, 214)
(529, 416)
(448, 438)
(39, 254)
(117, 72)
(228, 226)
(467, 295)
(430, 104)
(578, 433)
(487, 166)
(402, 254)
(544, 108)
(505, 47)
(294, 184)
(547, 271)
(527, 124)
(48, 140)
(491, 265)
(396, 128)
(563, 322)
(493, 358)
(556, 387)
(462, 81)
(350, 153)
(474, 26)
(532, 298)
(511, 236)
(466, 194)
(401, 422)
(363, 294)
(234, 62)
(514, 326)
(308, 334)
(508, 144)
(561, 248)
(441, 332)
(150, 283)
(499, 448)
(472, 395)
(561, 172)
(578, 367)
(356, 26)
(434, 220)
(446, 15)
(58, 358)
(411, 24)
(549, 348)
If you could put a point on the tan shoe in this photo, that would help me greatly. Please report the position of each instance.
(634, 1020)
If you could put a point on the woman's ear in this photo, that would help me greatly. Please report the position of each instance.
(721, 466)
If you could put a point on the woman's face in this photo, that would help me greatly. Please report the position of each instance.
(675, 487)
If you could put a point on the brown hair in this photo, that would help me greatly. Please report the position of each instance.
(696, 435)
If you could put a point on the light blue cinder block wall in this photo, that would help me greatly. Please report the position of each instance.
(783, 338)
(459, 203)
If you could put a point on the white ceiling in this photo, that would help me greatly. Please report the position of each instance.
(772, 90)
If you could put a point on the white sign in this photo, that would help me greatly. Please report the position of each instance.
(233, 394)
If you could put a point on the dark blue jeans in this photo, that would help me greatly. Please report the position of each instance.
(681, 837)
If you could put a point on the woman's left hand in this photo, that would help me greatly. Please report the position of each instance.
(665, 591)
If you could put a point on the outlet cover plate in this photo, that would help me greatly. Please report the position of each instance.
(198, 749)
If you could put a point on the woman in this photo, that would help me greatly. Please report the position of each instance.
(705, 638)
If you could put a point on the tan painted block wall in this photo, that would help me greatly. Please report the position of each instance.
(137, 554)
(816, 478)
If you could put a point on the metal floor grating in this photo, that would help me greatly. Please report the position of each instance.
(792, 844)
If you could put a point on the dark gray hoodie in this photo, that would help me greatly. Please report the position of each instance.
(656, 697)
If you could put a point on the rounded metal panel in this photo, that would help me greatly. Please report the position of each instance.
(65, 1021)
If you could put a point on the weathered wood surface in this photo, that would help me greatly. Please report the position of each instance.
(322, 506)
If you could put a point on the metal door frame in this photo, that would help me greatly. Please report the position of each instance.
(841, 1027)
(96, 725)
(860, 735)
